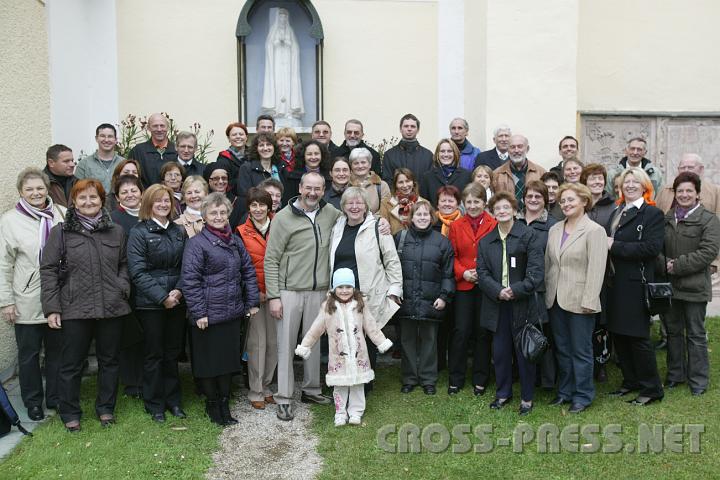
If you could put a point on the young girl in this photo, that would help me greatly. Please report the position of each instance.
(345, 319)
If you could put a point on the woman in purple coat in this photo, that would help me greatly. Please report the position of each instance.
(220, 289)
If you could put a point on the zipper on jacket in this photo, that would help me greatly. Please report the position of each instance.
(28, 282)
(317, 252)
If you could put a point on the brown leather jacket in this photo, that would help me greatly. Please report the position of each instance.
(97, 284)
(503, 181)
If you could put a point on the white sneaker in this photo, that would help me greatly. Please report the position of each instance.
(355, 420)
(341, 420)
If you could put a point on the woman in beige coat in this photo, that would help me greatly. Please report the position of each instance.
(574, 270)
(363, 177)
(23, 232)
(357, 244)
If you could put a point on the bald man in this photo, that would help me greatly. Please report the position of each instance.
(156, 151)
(517, 171)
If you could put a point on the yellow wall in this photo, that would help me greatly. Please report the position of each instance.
(380, 63)
(475, 73)
(531, 72)
(648, 55)
(188, 67)
(25, 119)
(179, 56)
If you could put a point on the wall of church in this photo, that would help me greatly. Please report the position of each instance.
(25, 119)
(648, 56)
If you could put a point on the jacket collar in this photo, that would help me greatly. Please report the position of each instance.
(297, 211)
(409, 145)
(517, 230)
(579, 229)
(72, 224)
(213, 239)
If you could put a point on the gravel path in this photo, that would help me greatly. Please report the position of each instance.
(263, 447)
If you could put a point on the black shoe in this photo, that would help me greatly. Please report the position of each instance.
(36, 413)
(53, 405)
(525, 409)
(672, 384)
(661, 345)
(158, 417)
(176, 411)
(479, 391)
(284, 412)
(429, 389)
(644, 401)
(225, 412)
(620, 392)
(407, 388)
(453, 390)
(316, 399)
(696, 392)
(499, 403)
(577, 408)
(558, 401)
(212, 408)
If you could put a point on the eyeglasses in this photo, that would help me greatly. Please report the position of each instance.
(218, 179)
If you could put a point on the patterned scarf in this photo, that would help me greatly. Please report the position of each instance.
(405, 203)
(288, 160)
(447, 220)
(44, 215)
(519, 179)
(448, 170)
(89, 223)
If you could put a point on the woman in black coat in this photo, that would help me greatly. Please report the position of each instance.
(128, 192)
(445, 171)
(537, 217)
(155, 250)
(310, 156)
(636, 234)
(510, 268)
(428, 285)
(594, 176)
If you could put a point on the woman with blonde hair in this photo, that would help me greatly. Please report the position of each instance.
(483, 175)
(635, 239)
(194, 190)
(155, 250)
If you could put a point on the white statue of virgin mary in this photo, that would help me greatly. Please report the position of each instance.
(282, 90)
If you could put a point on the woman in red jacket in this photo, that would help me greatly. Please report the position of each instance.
(465, 234)
(261, 342)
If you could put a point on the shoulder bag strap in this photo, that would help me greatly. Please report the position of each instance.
(401, 244)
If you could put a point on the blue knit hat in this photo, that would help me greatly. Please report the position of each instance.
(343, 276)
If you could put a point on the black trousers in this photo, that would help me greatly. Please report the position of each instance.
(30, 341)
(638, 365)
(467, 329)
(163, 344)
(76, 338)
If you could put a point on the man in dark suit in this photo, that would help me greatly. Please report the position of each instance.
(186, 148)
(495, 157)
(155, 152)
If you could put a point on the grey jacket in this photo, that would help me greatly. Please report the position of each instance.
(91, 166)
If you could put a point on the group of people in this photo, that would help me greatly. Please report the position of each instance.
(459, 248)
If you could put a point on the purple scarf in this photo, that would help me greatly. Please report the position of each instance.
(44, 215)
(89, 223)
(681, 213)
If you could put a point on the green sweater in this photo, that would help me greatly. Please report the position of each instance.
(91, 166)
(297, 257)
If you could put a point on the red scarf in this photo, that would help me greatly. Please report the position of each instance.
(289, 163)
(223, 234)
(475, 222)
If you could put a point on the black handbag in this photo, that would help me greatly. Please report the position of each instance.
(531, 341)
(658, 295)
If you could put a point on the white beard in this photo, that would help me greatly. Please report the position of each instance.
(352, 143)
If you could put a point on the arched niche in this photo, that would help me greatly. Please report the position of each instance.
(252, 30)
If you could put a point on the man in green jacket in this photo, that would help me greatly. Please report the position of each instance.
(102, 163)
(297, 276)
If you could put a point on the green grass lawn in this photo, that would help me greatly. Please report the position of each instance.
(353, 452)
(134, 448)
(137, 448)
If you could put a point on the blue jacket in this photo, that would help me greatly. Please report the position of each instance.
(218, 279)
(468, 155)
